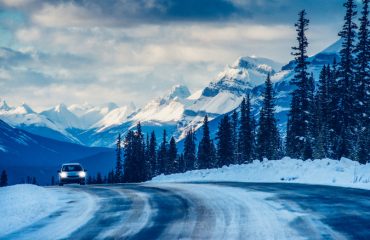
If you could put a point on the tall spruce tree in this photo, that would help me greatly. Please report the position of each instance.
(224, 144)
(4, 179)
(268, 138)
(162, 154)
(118, 172)
(300, 116)
(181, 163)
(362, 86)
(173, 165)
(234, 135)
(205, 159)
(139, 149)
(135, 168)
(246, 132)
(152, 154)
(322, 114)
(346, 81)
(189, 151)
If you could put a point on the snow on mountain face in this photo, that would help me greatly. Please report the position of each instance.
(114, 117)
(4, 106)
(62, 116)
(177, 111)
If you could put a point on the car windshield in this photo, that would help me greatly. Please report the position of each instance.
(71, 168)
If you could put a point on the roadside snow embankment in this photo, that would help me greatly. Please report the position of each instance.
(344, 172)
(24, 204)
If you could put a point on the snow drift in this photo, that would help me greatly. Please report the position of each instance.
(344, 172)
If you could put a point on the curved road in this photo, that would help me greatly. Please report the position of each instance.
(206, 211)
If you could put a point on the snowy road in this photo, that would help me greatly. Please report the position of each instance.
(205, 211)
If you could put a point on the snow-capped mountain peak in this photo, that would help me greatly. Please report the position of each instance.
(23, 109)
(178, 91)
(62, 116)
(4, 106)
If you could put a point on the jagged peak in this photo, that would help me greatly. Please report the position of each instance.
(24, 109)
(178, 91)
(4, 105)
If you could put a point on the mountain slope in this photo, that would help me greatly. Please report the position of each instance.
(24, 154)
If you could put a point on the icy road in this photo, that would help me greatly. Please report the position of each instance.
(205, 211)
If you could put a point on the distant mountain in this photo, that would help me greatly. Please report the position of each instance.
(177, 111)
(24, 154)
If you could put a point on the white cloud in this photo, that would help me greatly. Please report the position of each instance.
(82, 59)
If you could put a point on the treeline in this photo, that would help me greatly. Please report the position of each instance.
(238, 141)
(332, 119)
(328, 118)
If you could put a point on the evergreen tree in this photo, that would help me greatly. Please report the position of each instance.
(346, 83)
(362, 86)
(34, 181)
(118, 173)
(322, 113)
(135, 168)
(139, 157)
(224, 144)
(162, 154)
(52, 183)
(172, 166)
(99, 179)
(181, 163)
(204, 149)
(110, 177)
(234, 133)
(152, 154)
(4, 179)
(300, 116)
(90, 180)
(189, 151)
(246, 132)
(268, 139)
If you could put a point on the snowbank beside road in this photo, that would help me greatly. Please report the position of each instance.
(325, 171)
(23, 204)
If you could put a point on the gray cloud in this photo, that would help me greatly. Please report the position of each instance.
(134, 50)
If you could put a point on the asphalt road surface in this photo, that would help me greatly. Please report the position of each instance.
(206, 211)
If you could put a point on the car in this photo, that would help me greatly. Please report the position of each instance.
(72, 173)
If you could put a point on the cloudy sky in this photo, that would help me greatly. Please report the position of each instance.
(76, 51)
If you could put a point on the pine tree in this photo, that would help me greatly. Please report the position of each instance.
(246, 132)
(135, 167)
(300, 115)
(172, 166)
(346, 82)
(152, 154)
(118, 173)
(99, 179)
(320, 128)
(204, 149)
(181, 163)
(268, 138)
(224, 144)
(362, 86)
(162, 154)
(189, 151)
(52, 183)
(139, 156)
(34, 181)
(110, 177)
(4, 179)
(234, 134)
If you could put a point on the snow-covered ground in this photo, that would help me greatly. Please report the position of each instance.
(26, 204)
(344, 172)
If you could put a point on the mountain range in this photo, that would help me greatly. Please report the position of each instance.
(177, 111)
(35, 143)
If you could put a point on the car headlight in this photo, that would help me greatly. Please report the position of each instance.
(82, 174)
(63, 174)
